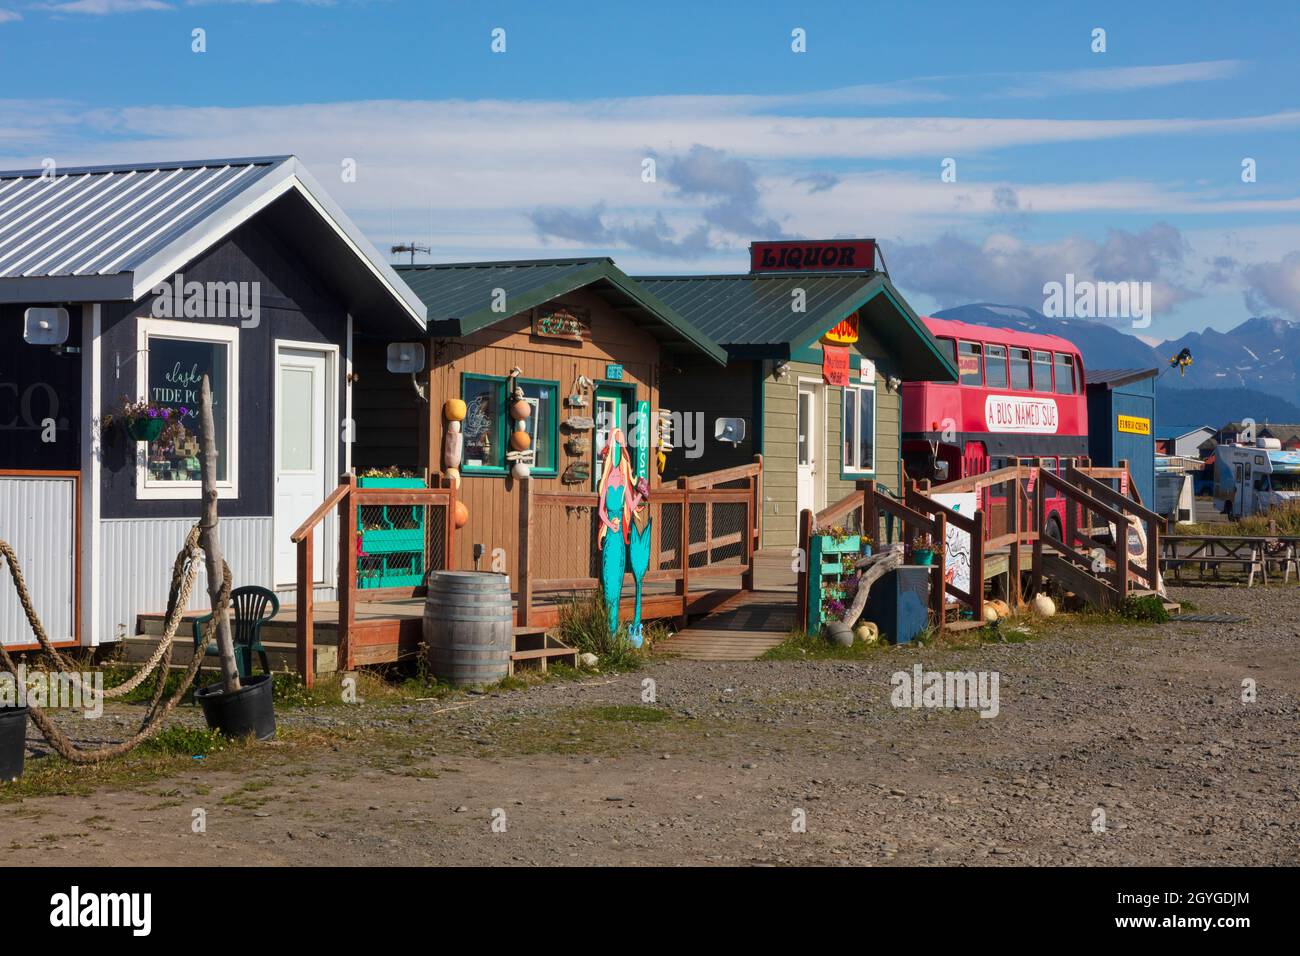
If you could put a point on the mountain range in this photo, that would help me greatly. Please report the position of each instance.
(1252, 371)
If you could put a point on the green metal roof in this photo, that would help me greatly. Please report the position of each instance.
(753, 315)
(460, 296)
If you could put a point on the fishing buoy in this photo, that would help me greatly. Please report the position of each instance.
(453, 475)
(461, 516)
(990, 613)
(520, 470)
(520, 410)
(520, 440)
(453, 409)
(867, 632)
(1043, 605)
(451, 446)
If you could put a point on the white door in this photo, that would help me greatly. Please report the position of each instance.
(807, 445)
(302, 430)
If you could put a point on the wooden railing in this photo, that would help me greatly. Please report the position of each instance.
(346, 499)
(1090, 499)
(694, 535)
(1020, 516)
(867, 503)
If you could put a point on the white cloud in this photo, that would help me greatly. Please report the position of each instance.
(9, 16)
(103, 7)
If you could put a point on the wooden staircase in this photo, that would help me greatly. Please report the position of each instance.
(536, 647)
(1127, 569)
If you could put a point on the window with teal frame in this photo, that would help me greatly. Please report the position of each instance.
(488, 424)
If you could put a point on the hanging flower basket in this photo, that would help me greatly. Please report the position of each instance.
(148, 421)
(145, 429)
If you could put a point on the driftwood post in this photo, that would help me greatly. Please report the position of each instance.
(209, 541)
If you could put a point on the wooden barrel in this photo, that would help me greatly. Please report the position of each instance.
(469, 626)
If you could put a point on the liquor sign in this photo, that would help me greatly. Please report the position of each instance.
(1132, 425)
(1009, 413)
(812, 255)
(562, 322)
(835, 365)
(845, 332)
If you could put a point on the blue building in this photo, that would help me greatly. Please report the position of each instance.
(1121, 423)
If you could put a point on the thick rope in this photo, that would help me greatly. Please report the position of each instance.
(178, 597)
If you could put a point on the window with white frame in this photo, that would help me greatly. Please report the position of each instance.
(859, 426)
(173, 358)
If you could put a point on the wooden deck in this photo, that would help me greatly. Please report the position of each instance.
(739, 629)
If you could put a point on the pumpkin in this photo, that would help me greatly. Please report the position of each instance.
(520, 410)
(520, 440)
(453, 409)
(461, 517)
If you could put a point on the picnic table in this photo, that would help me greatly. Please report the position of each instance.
(1252, 553)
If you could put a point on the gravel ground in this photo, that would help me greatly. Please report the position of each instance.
(1144, 723)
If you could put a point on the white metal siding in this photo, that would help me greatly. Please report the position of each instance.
(38, 517)
(137, 557)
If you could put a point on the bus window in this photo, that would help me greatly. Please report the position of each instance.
(1042, 371)
(969, 363)
(995, 366)
(949, 349)
(1065, 374)
(1020, 369)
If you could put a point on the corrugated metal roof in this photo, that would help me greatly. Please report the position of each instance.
(1112, 377)
(465, 292)
(462, 298)
(112, 233)
(755, 315)
(756, 310)
(107, 220)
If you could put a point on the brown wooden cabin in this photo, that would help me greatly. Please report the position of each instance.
(556, 321)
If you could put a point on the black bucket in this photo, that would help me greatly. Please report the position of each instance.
(249, 710)
(13, 742)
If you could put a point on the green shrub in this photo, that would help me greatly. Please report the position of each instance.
(1149, 609)
(183, 741)
(584, 625)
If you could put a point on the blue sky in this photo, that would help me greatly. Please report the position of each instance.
(1122, 165)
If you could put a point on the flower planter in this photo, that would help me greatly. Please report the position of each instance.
(145, 429)
(923, 556)
(249, 710)
(838, 633)
(13, 742)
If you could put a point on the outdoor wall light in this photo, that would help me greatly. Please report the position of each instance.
(45, 325)
(408, 357)
(781, 369)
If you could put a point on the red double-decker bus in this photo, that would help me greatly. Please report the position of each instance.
(1021, 395)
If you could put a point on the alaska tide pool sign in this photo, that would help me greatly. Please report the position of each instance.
(1010, 413)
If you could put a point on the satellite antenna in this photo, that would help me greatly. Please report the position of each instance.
(409, 248)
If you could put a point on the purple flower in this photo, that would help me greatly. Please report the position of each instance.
(153, 413)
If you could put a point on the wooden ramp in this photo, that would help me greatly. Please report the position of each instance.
(739, 629)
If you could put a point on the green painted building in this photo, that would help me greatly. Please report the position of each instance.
(819, 425)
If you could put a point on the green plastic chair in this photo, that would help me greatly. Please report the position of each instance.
(249, 605)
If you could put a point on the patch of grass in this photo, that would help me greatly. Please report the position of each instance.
(584, 625)
(1145, 610)
(183, 741)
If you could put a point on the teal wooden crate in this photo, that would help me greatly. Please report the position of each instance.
(392, 539)
(824, 573)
